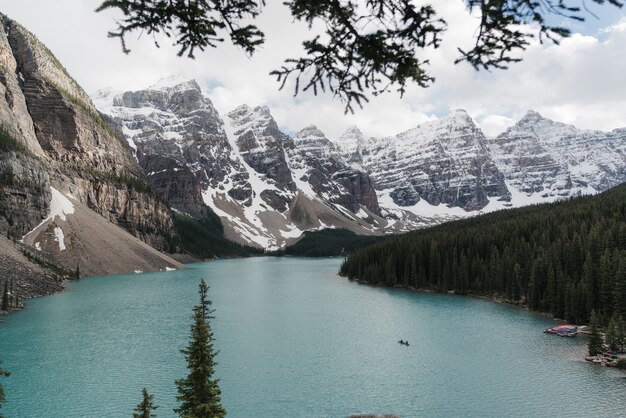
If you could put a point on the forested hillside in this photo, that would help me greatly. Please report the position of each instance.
(330, 243)
(566, 258)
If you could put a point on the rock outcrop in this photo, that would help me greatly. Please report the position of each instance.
(53, 138)
(243, 167)
(443, 162)
(552, 160)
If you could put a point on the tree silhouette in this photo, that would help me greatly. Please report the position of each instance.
(368, 46)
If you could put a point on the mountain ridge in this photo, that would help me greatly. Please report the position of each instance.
(440, 170)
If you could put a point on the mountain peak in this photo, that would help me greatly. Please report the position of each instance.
(175, 82)
(309, 131)
(353, 130)
(460, 115)
(531, 116)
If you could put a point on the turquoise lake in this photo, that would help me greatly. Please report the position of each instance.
(295, 340)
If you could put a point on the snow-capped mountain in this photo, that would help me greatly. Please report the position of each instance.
(243, 167)
(268, 187)
(548, 160)
(443, 162)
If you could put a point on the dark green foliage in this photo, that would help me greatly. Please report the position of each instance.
(3, 373)
(146, 406)
(199, 393)
(77, 272)
(5, 296)
(617, 339)
(370, 46)
(621, 363)
(566, 258)
(329, 242)
(595, 339)
(353, 58)
(8, 142)
(609, 336)
(205, 239)
(194, 24)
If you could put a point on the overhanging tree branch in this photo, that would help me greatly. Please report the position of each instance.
(368, 46)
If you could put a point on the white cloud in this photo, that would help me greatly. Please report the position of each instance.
(579, 81)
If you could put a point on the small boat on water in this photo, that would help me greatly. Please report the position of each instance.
(404, 342)
(563, 330)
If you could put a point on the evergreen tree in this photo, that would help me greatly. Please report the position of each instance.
(595, 339)
(620, 332)
(77, 272)
(415, 282)
(199, 394)
(3, 373)
(619, 303)
(609, 336)
(5, 296)
(146, 406)
(535, 253)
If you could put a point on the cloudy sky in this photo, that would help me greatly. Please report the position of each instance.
(580, 81)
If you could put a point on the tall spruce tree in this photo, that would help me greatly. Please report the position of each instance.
(595, 338)
(620, 332)
(609, 336)
(619, 302)
(5, 296)
(3, 373)
(146, 406)
(199, 394)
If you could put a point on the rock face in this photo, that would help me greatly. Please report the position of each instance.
(553, 160)
(447, 169)
(261, 144)
(266, 187)
(443, 162)
(24, 193)
(53, 137)
(319, 164)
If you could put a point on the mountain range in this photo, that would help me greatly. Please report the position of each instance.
(268, 187)
(123, 181)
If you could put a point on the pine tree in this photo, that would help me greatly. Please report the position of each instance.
(619, 302)
(5, 296)
(3, 373)
(414, 275)
(620, 332)
(609, 336)
(144, 408)
(199, 393)
(595, 339)
(77, 272)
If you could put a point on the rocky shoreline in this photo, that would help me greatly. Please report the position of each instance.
(29, 275)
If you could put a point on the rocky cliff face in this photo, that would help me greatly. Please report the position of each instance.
(243, 167)
(551, 160)
(323, 170)
(443, 162)
(24, 193)
(53, 137)
(268, 187)
(447, 169)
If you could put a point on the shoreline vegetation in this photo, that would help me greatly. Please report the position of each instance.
(567, 259)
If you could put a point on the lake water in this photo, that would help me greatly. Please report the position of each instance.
(295, 340)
